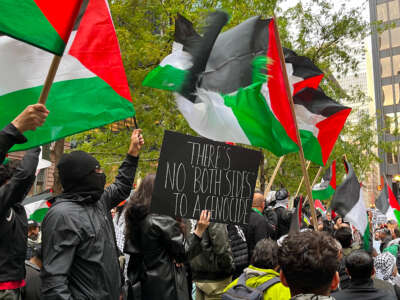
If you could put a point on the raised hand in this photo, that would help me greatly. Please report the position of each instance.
(203, 223)
(137, 142)
(32, 117)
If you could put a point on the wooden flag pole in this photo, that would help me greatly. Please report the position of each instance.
(49, 79)
(302, 180)
(301, 152)
(315, 180)
(271, 181)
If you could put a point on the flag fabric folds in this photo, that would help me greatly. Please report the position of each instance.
(46, 24)
(37, 206)
(348, 203)
(240, 95)
(326, 188)
(388, 204)
(90, 89)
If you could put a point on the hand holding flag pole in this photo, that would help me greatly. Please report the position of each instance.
(301, 152)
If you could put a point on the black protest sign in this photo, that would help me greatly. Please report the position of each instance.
(197, 173)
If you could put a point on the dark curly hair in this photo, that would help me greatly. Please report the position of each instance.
(359, 264)
(309, 261)
(138, 206)
(344, 236)
(265, 254)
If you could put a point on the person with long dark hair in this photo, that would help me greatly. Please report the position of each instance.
(158, 248)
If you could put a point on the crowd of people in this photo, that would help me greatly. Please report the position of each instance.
(91, 247)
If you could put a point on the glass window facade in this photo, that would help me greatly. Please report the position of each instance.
(394, 12)
(381, 12)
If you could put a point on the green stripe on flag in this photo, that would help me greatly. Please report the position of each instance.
(397, 215)
(323, 194)
(35, 28)
(165, 78)
(311, 146)
(39, 214)
(367, 238)
(258, 122)
(75, 106)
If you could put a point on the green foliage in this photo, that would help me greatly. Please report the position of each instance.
(317, 30)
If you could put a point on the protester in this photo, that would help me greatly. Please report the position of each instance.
(345, 238)
(31, 291)
(80, 258)
(212, 269)
(239, 248)
(279, 217)
(258, 228)
(15, 184)
(33, 237)
(360, 266)
(308, 262)
(386, 269)
(157, 248)
(385, 237)
(264, 267)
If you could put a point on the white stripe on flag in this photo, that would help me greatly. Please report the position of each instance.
(358, 215)
(211, 115)
(27, 66)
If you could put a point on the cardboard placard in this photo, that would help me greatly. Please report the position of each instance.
(197, 173)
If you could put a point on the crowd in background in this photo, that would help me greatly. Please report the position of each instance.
(89, 246)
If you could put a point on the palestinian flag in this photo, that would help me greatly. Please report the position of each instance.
(320, 207)
(90, 89)
(231, 88)
(36, 207)
(388, 204)
(46, 24)
(348, 203)
(326, 188)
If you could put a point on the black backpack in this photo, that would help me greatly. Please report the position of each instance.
(242, 291)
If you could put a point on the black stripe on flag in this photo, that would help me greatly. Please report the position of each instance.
(317, 102)
(302, 66)
(347, 194)
(201, 52)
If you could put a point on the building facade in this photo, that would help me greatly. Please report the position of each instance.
(386, 66)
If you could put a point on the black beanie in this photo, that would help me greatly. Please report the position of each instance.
(75, 166)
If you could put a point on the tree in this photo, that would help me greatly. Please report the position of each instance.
(145, 31)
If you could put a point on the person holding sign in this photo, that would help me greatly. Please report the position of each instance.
(158, 248)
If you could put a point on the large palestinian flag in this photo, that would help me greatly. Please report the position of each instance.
(46, 24)
(90, 88)
(223, 92)
(326, 188)
(388, 204)
(348, 203)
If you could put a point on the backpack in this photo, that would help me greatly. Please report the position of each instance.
(242, 291)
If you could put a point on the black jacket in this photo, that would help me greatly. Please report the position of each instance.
(31, 291)
(284, 219)
(13, 221)
(80, 259)
(257, 229)
(363, 290)
(215, 262)
(155, 245)
(238, 243)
